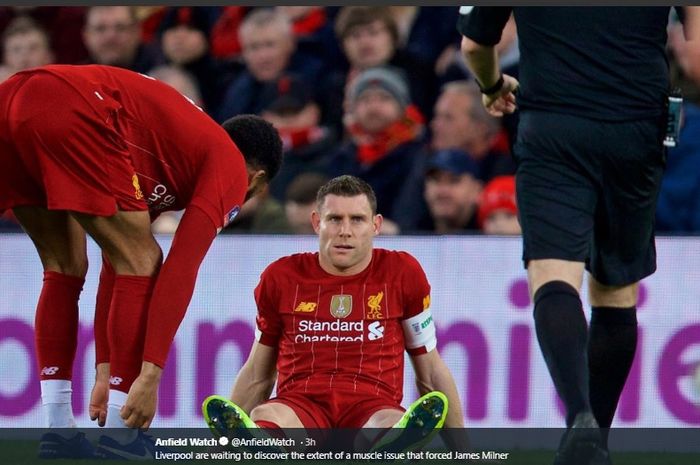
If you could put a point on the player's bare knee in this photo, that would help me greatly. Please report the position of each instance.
(601, 295)
(541, 272)
(144, 260)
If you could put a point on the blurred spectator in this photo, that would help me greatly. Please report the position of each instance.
(452, 191)
(185, 42)
(112, 36)
(25, 45)
(369, 38)
(461, 122)
(678, 207)
(314, 33)
(268, 51)
(63, 24)
(386, 136)
(307, 145)
(426, 32)
(261, 214)
(301, 201)
(498, 211)
(225, 44)
(180, 79)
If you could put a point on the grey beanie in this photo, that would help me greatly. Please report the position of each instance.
(388, 79)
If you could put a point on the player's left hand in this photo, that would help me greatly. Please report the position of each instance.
(502, 101)
(140, 406)
(98, 402)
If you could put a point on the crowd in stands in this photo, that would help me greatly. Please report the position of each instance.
(379, 92)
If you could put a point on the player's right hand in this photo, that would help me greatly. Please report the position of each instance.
(502, 101)
(98, 401)
(140, 406)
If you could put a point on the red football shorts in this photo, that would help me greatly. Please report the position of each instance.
(336, 408)
(62, 150)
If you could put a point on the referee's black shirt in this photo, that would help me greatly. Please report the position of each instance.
(605, 63)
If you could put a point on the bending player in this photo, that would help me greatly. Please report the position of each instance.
(105, 150)
(332, 326)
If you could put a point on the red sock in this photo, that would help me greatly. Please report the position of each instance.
(271, 428)
(128, 315)
(102, 304)
(56, 325)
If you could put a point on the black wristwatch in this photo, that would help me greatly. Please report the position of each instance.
(492, 89)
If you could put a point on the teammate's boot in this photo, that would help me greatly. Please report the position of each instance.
(417, 426)
(142, 447)
(224, 417)
(582, 444)
(53, 445)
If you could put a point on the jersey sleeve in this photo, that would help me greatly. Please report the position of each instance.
(175, 283)
(483, 24)
(268, 321)
(417, 323)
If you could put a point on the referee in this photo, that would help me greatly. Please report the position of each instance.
(592, 98)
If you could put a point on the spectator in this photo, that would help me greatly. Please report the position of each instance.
(112, 36)
(268, 52)
(452, 190)
(62, 24)
(307, 145)
(185, 41)
(301, 201)
(314, 33)
(181, 80)
(425, 32)
(461, 122)
(385, 136)
(498, 212)
(25, 45)
(369, 38)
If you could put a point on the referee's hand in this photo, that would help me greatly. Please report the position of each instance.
(503, 100)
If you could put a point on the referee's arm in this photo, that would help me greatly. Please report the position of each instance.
(481, 29)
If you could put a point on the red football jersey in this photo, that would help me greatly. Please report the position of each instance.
(342, 331)
(181, 156)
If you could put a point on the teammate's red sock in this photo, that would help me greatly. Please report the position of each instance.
(128, 315)
(56, 325)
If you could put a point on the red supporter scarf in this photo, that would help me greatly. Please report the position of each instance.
(373, 147)
(310, 23)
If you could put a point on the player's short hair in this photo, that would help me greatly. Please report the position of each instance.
(258, 141)
(347, 186)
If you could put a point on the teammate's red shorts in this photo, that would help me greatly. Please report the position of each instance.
(335, 408)
(62, 151)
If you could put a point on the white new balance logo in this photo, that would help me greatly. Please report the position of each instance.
(376, 331)
(49, 371)
(115, 380)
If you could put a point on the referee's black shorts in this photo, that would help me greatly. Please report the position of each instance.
(587, 192)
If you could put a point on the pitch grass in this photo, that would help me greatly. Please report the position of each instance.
(24, 453)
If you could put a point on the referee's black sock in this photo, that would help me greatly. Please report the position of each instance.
(612, 343)
(562, 332)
